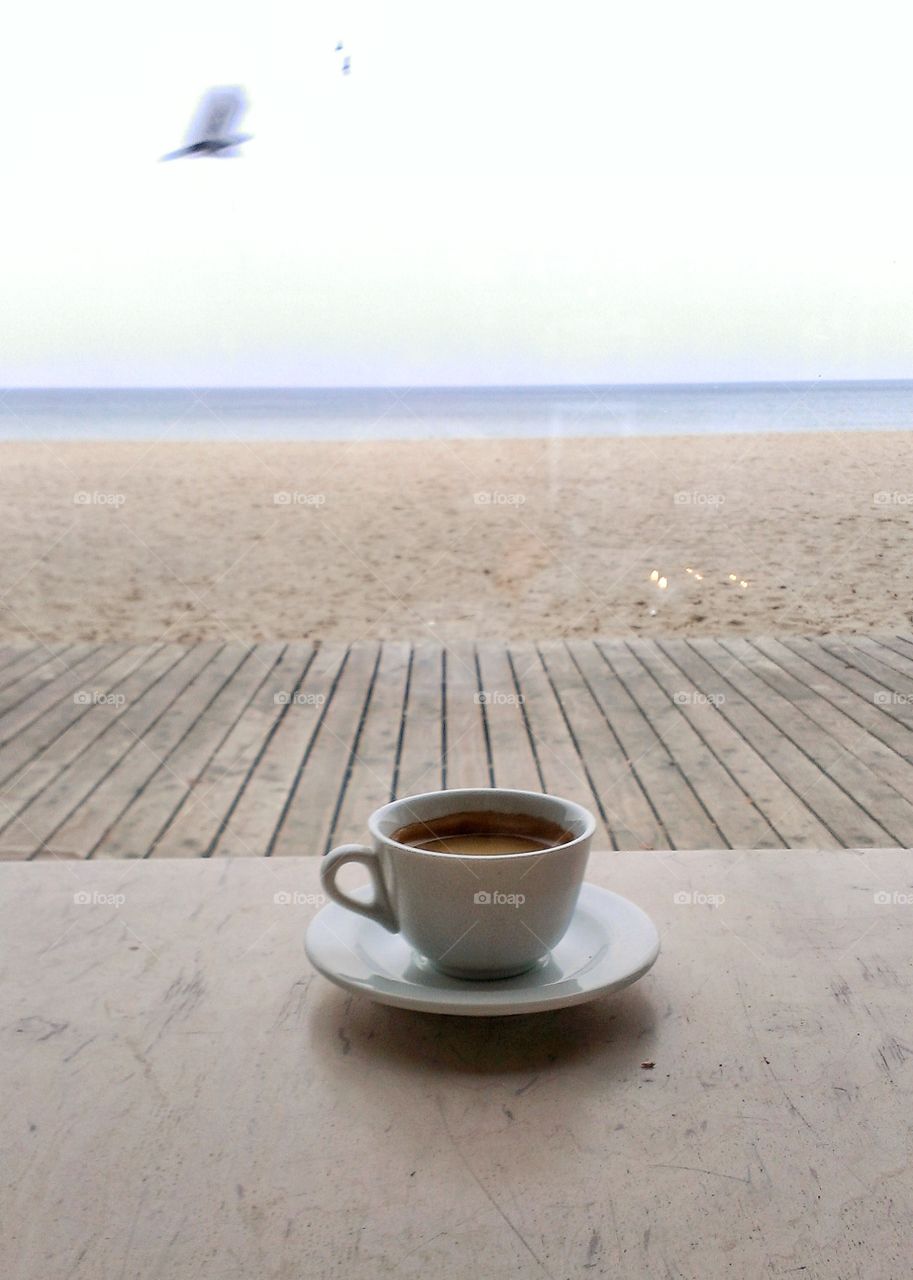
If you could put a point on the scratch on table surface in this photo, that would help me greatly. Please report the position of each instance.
(776, 1079)
(882, 972)
(693, 1168)
(79, 1049)
(34, 1023)
(485, 1192)
(897, 1049)
(423, 1244)
(294, 1003)
(594, 1247)
(841, 991)
(763, 1166)
(146, 1068)
(186, 994)
(167, 1246)
(79, 1257)
(129, 1248)
(181, 998)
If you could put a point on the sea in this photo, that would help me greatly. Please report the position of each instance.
(416, 413)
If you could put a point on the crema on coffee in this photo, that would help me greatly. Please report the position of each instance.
(483, 833)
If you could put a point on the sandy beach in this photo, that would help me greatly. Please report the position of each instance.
(519, 539)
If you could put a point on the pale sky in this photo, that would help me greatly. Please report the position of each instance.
(499, 192)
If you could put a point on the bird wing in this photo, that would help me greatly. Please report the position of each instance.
(220, 111)
(194, 149)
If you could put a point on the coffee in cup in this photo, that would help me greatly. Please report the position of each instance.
(480, 883)
(483, 833)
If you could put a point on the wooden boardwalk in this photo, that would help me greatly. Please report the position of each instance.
(221, 750)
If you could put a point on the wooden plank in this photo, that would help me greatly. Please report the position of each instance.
(857, 671)
(196, 826)
(899, 645)
(867, 768)
(306, 824)
(41, 734)
(512, 756)
(642, 763)
(890, 655)
(742, 825)
(818, 734)
(786, 806)
(40, 687)
(767, 791)
(70, 730)
(852, 700)
(631, 819)
(255, 816)
(151, 752)
(12, 653)
(33, 827)
(564, 773)
(870, 659)
(370, 782)
(135, 831)
(887, 745)
(421, 761)
(466, 758)
(26, 662)
(83, 679)
(902, 643)
(847, 790)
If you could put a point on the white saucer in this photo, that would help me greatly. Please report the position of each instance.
(610, 943)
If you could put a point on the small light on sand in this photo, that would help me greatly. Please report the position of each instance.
(663, 583)
(654, 576)
(699, 576)
(743, 583)
(732, 577)
(689, 571)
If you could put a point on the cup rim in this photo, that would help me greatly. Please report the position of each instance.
(376, 817)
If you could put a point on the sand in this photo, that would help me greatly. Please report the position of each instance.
(526, 539)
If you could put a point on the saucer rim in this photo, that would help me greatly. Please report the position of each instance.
(492, 1003)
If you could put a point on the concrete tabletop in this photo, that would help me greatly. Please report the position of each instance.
(186, 1098)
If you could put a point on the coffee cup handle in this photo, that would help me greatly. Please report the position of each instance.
(379, 908)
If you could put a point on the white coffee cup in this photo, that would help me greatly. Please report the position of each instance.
(490, 915)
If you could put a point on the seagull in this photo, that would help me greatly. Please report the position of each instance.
(210, 134)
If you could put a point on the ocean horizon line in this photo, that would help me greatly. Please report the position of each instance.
(224, 388)
(416, 413)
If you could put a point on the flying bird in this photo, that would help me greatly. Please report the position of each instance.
(212, 130)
